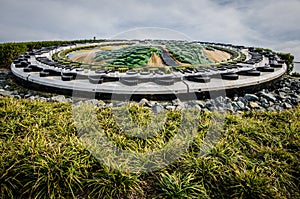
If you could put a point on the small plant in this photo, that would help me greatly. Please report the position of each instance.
(180, 185)
(295, 74)
(191, 53)
(109, 183)
(130, 56)
(123, 69)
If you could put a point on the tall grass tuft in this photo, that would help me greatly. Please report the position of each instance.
(41, 155)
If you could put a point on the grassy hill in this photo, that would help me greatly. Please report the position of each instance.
(257, 156)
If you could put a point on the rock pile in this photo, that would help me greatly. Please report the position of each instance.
(285, 96)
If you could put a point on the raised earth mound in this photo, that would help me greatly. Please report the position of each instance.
(151, 54)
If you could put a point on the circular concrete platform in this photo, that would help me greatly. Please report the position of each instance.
(39, 68)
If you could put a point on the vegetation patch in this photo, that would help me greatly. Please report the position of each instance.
(131, 56)
(42, 157)
(191, 53)
(9, 51)
(295, 74)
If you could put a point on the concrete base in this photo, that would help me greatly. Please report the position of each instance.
(151, 89)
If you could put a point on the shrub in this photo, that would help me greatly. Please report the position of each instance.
(295, 74)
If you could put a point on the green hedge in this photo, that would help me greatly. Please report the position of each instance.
(9, 51)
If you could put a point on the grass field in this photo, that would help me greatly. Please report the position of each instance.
(41, 156)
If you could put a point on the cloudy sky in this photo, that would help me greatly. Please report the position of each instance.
(267, 23)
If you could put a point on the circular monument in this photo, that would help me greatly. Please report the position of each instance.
(147, 67)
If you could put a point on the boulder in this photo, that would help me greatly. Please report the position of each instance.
(295, 101)
(17, 97)
(221, 109)
(110, 105)
(229, 107)
(212, 108)
(265, 105)
(58, 98)
(180, 107)
(227, 100)
(284, 89)
(235, 106)
(251, 97)
(241, 105)
(247, 108)
(157, 108)
(28, 95)
(201, 103)
(7, 87)
(220, 100)
(5, 93)
(43, 99)
(278, 108)
(271, 109)
(32, 97)
(170, 108)
(264, 100)
(144, 102)
(204, 110)
(177, 102)
(282, 95)
(295, 96)
(287, 105)
(120, 104)
(198, 107)
(254, 105)
(242, 99)
(101, 103)
(91, 101)
(268, 96)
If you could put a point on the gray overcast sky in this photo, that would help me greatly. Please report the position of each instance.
(266, 23)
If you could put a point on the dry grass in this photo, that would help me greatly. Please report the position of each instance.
(155, 60)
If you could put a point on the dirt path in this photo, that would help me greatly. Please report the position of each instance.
(83, 58)
(112, 47)
(88, 57)
(216, 55)
(155, 60)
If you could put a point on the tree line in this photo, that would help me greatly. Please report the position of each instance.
(10, 51)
